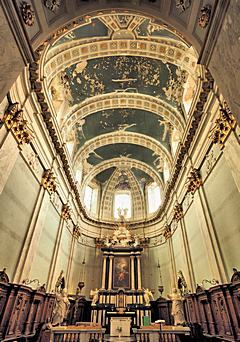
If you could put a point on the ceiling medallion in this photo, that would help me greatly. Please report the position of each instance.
(28, 14)
(183, 4)
(204, 18)
(52, 5)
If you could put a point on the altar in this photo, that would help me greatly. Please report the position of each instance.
(121, 285)
(120, 326)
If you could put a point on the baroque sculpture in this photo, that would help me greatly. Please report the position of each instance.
(3, 276)
(60, 283)
(148, 296)
(61, 307)
(182, 285)
(94, 294)
(236, 275)
(177, 307)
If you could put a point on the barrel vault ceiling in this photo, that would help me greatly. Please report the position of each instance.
(121, 86)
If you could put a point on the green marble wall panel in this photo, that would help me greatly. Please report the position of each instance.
(17, 202)
(197, 245)
(44, 250)
(224, 203)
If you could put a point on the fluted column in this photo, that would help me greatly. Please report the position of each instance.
(104, 271)
(132, 257)
(110, 272)
(139, 273)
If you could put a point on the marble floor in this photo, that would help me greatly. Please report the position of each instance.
(108, 338)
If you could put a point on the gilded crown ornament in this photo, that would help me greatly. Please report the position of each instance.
(49, 181)
(178, 212)
(14, 120)
(194, 181)
(66, 212)
(223, 126)
(205, 16)
(28, 14)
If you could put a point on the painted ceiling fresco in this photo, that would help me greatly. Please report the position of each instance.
(123, 182)
(124, 74)
(104, 26)
(123, 119)
(79, 81)
(133, 151)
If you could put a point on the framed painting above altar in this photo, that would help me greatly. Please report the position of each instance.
(121, 272)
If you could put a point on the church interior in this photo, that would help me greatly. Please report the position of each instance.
(119, 170)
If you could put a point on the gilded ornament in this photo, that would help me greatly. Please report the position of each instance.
(167, 232)
(205, 16)
(52, 5)
(66, 212)
(194, 181)
(76, 231)
(49, 181)
(178, 212)
(28, 14)
(14, 120)
(183, 5)
(223, 126)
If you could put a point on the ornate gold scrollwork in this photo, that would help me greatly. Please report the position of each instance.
(66, 212)
(49, 181)
(14, 120)
(194, 181)
(178, 212)
(76, 231)
(223, 126)
(167, 232)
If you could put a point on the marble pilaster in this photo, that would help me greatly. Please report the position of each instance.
(209, 236)
(29, 249)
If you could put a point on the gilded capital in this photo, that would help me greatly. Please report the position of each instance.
(66, 212)
(167, 232)
(14, 120)
(178, 212)
(194, 181)
(49, 181)
(223, 126)
(76, 231)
